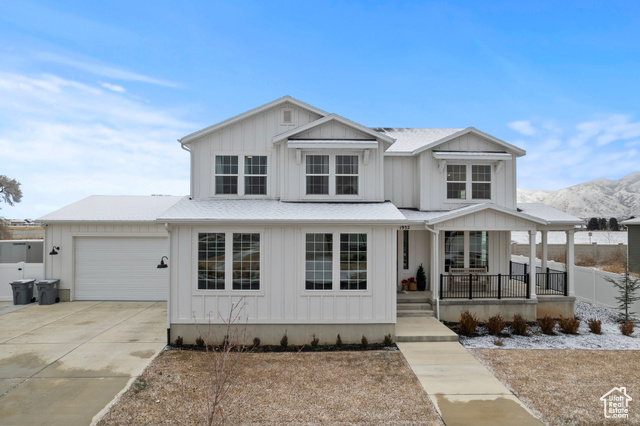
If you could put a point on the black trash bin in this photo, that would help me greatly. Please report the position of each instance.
(22, 291)
(47, 291)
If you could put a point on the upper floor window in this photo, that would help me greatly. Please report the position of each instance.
(346, 174)
(332, 174)
(226, 174)
(459, 181)
(231, 179)
(317, 174)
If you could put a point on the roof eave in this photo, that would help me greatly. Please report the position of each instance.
(518, 152)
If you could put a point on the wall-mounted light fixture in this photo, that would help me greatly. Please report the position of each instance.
(162, 264)
(53, 251)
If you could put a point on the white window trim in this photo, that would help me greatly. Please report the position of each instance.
(332, 177)
(228, 265)
(469, 183)
(241, 175)
(335, 271)
(291, 123)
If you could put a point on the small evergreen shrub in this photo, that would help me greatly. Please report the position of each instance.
(519, 326)
(626, 327)
(498, 342)
(468, 323)
(338, 341)
(495, 325)
(284, 342)
(314, 341)
(569, 325)
(547, 324)
(179, 341)
(387, 341)
(200, 342)
(256, 342)
(595, 325)
(364, 342)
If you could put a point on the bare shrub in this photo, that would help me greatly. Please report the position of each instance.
(495, 325)
(586, 260)
(387, 341)
(569, 325)
(200, 342)
(284, 342)
(256, 342)
(547, 324)
(498, 342)
(179, 341)
(338, 341)
(626, 327)
(595, 325)
(468, 323)
(519, 326)
(314, 341)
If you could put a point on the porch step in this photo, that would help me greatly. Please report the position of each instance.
(414, 307)
(424, 329)
(404, 313)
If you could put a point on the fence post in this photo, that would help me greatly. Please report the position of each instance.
(566, 285)
(440, 292)
(470, 281)
(499, 286)
(528, 282)
(525, 269)
(511, 267)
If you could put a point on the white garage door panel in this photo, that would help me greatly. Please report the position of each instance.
(120, 268)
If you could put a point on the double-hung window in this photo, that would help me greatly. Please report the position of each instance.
(468, 182)
(466, 249)
(346, 174)
(228, 260)
(230, 178)
(317, 170)
(226, 174)
(324, 261)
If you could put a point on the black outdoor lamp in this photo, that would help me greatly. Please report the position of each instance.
(162, 264)
(53, 251)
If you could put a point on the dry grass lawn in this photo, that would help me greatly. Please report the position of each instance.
(563, 387)
(376, 387)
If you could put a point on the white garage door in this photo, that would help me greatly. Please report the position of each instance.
(120, 268)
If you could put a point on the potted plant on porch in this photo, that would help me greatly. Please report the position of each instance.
(421, 278)
(413, 286)
(405, 285)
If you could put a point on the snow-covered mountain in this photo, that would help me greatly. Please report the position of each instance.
(596, 198)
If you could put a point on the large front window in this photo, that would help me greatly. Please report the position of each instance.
(228, 260)
(468, 182)
(353, 261)
(319, 262)
(468, 249)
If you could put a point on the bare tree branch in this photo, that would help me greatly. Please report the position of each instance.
(10, 191)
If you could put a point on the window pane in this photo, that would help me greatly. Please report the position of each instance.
(346, 164)
(346, 185)
(317, 185)
(453, 250)
(246, 261)
(226, 184)
(353, 261)
(478, 249)
(226, 165)
(481, 191)
(255, 165)
(211, 258)
(456, 190)
(481, 173)
(456, 173)
(255, 185)
(319, 261)
(317, 164)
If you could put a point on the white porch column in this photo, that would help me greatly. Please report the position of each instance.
(545, 255)
(569, 262)
(435, 268)
(532, 264)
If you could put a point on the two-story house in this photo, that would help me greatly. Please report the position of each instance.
(312, 220)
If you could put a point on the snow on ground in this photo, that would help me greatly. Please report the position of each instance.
(582, 237)
(610, 339)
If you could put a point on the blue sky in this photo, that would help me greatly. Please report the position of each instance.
(93, 95)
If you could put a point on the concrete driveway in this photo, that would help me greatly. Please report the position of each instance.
(63, 363)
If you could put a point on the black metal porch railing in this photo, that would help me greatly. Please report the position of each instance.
(551, 282)
(480, 286)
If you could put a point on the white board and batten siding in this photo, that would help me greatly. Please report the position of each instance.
(282, 298)
(401, 181)
(252, 136)
(120, 258)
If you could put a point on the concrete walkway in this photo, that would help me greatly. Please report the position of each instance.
(62, 364)
(462, 389)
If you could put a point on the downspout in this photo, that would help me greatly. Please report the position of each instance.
(434, 256)
(168, 229)
(186, 148)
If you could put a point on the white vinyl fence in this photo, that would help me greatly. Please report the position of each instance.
(17, 271)
(590, 284)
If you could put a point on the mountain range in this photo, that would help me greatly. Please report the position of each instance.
(597, 198)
